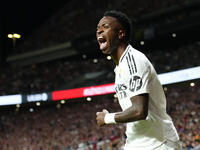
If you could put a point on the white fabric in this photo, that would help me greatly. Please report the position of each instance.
(135, 75)
(110, 118)
(169, 145)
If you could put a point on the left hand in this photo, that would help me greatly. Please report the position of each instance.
(100, 117)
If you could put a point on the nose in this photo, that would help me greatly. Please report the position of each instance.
(99, 31)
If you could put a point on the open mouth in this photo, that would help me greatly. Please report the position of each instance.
(102, 42)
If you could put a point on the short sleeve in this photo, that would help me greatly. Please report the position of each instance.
(138, 83)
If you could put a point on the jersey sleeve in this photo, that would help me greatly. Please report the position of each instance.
(138, 79)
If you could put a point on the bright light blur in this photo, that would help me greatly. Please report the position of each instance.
(15, 35)
(165, 88)
(142, 42)
(38, 103)
(174, 35)
(109, 57)
(31, 109)
(84, 56)
(192, 84)
(62, 101)
(10, 36)
(89, 99)
(95, 60)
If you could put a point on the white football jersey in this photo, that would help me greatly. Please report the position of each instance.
(133, 76)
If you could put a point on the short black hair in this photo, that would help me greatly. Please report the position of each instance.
(123, 20)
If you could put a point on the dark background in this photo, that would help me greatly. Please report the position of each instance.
(23, 17)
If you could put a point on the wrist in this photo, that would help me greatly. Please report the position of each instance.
(110, 118)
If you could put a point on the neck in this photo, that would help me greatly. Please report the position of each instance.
(118, 53)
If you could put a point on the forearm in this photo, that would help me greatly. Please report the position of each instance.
(129, 115)
(138, 110)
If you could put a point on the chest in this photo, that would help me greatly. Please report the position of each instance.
(122, 88)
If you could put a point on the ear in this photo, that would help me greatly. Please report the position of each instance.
(121, 34)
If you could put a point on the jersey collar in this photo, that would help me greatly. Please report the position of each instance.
(121, 58)
(124, 53)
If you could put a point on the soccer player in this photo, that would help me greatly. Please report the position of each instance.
(138, 88)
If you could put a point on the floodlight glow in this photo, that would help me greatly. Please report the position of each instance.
(15, 35)
(10, 36)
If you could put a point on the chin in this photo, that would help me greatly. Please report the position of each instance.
(105, 52)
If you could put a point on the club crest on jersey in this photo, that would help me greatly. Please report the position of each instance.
(135, 83)
(120, 71)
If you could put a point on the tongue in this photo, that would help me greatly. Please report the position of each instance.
(103, 45)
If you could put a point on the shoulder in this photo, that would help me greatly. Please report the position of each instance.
(132, 54)
(134, 58)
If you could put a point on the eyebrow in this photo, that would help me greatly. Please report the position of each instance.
(101, 25)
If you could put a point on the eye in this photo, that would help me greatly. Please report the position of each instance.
(106, 27)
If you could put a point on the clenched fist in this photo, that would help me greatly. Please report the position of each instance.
(100, 117)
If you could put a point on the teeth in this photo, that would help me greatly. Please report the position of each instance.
(100, 37)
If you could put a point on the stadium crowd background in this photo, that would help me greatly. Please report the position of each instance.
(73, 125)
(48, 76)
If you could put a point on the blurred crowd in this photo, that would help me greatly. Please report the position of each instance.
(78, 17)
(175, 58)
(49, 76)
(72, 126)
(183, 106)
(64, 25)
